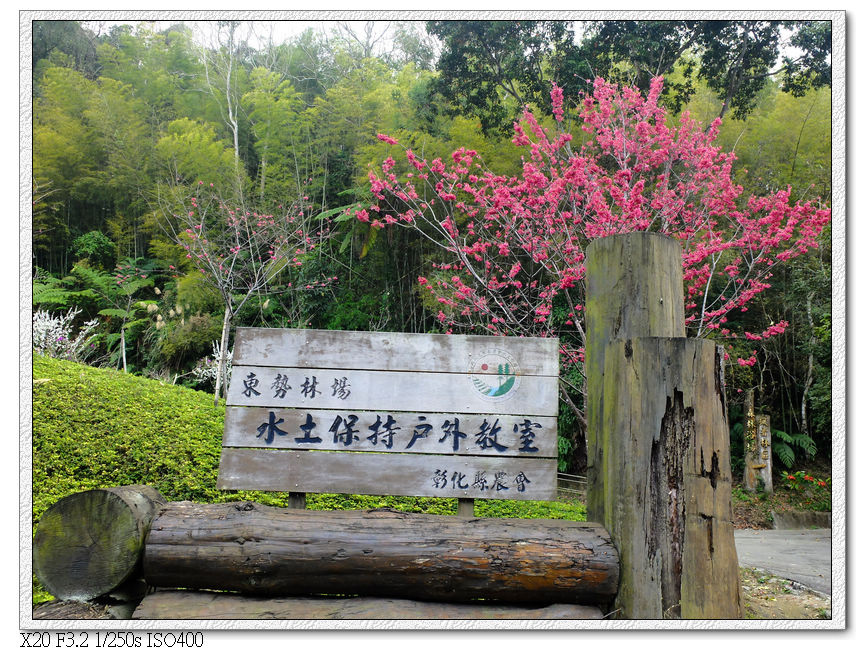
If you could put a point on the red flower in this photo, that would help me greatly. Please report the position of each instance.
(809, 478)
(791, 477)
(821, 483)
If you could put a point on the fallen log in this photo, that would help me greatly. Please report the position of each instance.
(260, 550)
(201, 605)
(89, 543)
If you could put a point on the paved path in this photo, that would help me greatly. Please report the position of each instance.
(801, 555)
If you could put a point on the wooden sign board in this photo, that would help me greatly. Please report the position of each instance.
(392, 413)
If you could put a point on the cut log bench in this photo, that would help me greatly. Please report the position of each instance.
(463, 567)
(465, 417)
(255, 549)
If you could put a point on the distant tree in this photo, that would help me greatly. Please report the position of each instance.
(491, 69)
(240, 252)
(486, 63)
(96, 248)
(65, 41)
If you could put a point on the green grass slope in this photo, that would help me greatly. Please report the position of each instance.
(95, 427)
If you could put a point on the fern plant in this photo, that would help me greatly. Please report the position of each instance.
(119, 291)
(784, 446)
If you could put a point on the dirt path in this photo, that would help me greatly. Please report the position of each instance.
(770, 597)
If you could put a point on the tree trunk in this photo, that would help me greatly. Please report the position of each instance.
(123, 347)
(89, 543)
(260, 550)
(633, 288)
(223, 354)
(658, 446)
(199, 605)
(809, 376)
(667, 480)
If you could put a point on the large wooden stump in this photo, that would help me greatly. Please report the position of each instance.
(667, 480)
(260, 550)
(89, 543)
(181, 605)
(633, 288)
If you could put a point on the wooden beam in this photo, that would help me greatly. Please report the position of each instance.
(667, 480)
(386, 432)
(454, 353)
(199, 605)
(633, 288)
(468, 477)
(381, 390)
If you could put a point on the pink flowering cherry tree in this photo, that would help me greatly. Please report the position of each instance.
(242, 252)
(512, 249)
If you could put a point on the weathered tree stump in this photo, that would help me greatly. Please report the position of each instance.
(633, 288)
(260, 550)
(89, 543)
(667, 480)
(200, 605)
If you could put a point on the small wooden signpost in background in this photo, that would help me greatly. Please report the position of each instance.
(471, 417)
(758, 448)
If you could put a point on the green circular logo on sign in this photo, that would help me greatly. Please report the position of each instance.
(494, 375)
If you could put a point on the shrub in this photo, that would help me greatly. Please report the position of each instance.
(53, 336)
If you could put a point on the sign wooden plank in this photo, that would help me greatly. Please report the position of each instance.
(395, 391)
(391, 432)
(292, 348)
(396, 474)
(472, 417)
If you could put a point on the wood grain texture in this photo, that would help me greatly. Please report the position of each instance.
(667, 481)
(472, 477)
(392, 391)
(89, 543)
(260, 550)
(293, 348)
(758, 451)
(533, 436)
(200, 605)
(633, 289)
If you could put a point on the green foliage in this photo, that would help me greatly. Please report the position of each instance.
(491, 69)
(96, 248)
(191, 151)
(813, 493)
(565, 447)
(100, 428)
(195, 294)
(186, 338)
(784, 446)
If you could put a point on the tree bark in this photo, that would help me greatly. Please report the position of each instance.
(633, 288)
(89, 543)
(223, 354)
(667, 480)
(260, 550)
(199, 605)
(123, 347)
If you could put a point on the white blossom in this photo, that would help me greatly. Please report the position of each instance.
(53, 336)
